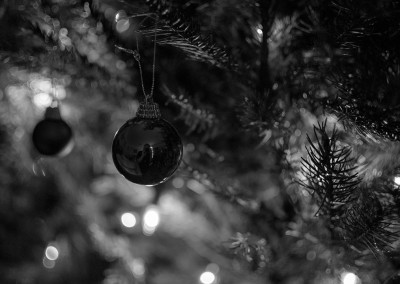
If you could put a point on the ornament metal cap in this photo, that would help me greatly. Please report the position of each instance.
(148, 110)
(52, 113)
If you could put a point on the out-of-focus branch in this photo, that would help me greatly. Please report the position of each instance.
(267, 8)
(266, 23)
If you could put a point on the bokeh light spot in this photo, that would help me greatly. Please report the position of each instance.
(51, 253)
(350, 278)
(151, 219)
(207, 277)
(138, 267)
(48, 263)
(178, 182)
(42, 100)
(189, 147)
(122, 25)
(128, 219)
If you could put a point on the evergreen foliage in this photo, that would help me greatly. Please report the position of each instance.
(289, 116)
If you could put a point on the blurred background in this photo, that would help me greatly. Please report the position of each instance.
(243, 82)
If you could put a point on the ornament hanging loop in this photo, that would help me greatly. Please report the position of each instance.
(56, 63)
(148, 97)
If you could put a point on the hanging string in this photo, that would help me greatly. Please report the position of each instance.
(154, 58)
(55, 100)
(148, 96)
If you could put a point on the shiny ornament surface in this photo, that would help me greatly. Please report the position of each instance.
(147, 151)
(52, 136)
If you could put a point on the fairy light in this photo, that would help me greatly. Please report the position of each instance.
(207, 277)
(259, 32)
(138, 267)
(128, 220)
(122, 25)
(178, 182)
(350, 278)
(41, 85)
(44, 90)
(151, 220)
(397, 180)
(42, 100)
(51, 253)
(48, 263)
(122, 22)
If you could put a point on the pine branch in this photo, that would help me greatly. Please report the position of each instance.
(177, 31)
(370, 223)
(362, 217)
(197, 120)
(367, 119)
(329, 172)
(258, 115)
(257, 108)
(253, 250)
(365, 37)
(267, 19)
(229, 192)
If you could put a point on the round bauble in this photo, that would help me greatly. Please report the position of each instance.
(52, 136)
(147, 149)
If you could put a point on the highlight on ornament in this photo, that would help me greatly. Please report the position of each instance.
(151, 220)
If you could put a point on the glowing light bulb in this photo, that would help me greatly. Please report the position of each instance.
(51, 253)
(397, 180)
(138, 267)
(151, 219)
(42, 100)
(207, 277)
(122, 22)
(122, 25)
(41, 85)
(178, 182)
(120, 15)
(48, 263)
(350, 278)
(59, 92)
(128, 220)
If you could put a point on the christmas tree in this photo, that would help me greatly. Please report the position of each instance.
(285, 170)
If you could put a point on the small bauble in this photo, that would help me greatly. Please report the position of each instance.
(147, 149)
(52, 136)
